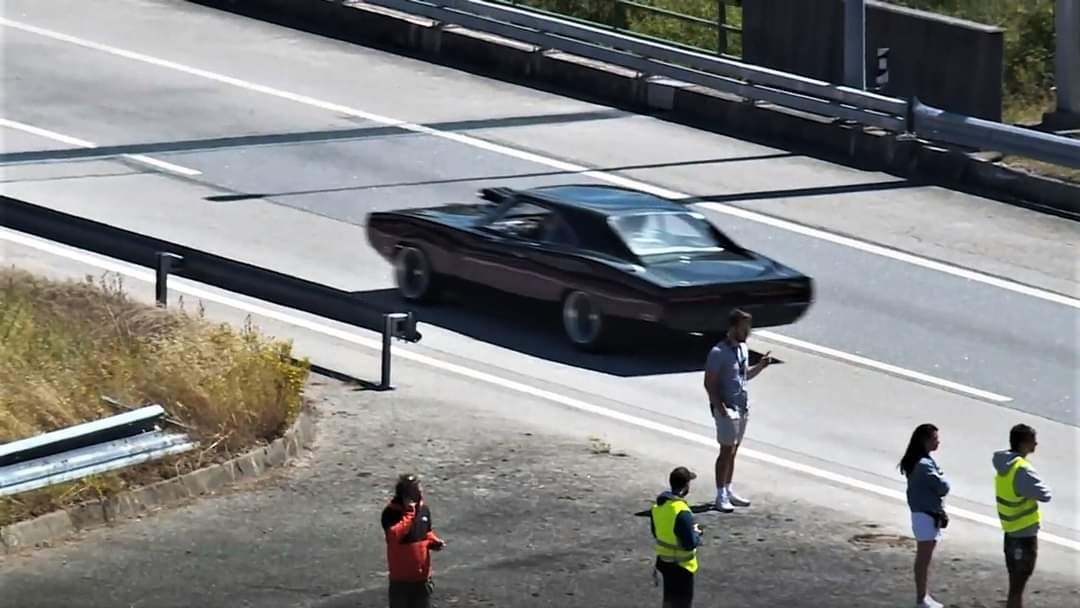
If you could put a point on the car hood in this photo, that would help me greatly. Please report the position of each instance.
(706, 271)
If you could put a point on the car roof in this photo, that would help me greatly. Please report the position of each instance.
(605, 200)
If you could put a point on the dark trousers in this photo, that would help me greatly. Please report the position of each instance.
(1020, 557)
(410, 595)
(678, 585)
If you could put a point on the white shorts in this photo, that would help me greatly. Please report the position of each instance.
(729, 431)
(924, 528)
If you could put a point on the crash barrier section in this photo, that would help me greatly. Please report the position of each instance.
(86, 449)
(950, 63)
(172, 259)
(651, 58)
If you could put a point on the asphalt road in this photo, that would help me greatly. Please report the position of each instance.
(537, 501)
(318, 169)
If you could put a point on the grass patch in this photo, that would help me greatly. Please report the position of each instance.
(66, 344)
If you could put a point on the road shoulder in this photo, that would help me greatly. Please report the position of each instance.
(533, 517)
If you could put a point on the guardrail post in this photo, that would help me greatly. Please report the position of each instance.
(391, 330)
(855, 43)
(166, 262)
(1067, 57)
(721, 33)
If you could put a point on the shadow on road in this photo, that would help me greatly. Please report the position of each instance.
(535, 329)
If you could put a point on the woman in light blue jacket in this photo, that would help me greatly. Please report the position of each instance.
(926, 490)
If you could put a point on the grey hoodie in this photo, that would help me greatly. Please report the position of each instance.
(1028, 484)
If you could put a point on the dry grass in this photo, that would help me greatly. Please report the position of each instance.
(65, 345)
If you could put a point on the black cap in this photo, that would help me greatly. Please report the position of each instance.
(680, 477)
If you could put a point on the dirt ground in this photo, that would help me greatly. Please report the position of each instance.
(531, 520)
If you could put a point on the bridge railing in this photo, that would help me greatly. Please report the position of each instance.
(651, 57)
(712, 31)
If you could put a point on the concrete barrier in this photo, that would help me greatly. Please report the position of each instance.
(949, 63)
(866, 148)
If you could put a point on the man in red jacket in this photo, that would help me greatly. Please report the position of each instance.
(409, 537)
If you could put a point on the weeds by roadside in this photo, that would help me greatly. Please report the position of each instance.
(66, 345)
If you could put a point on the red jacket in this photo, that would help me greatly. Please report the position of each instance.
(409, 537)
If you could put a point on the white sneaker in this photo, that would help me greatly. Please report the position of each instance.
(929, 602)
(737, 500)
(723, 503)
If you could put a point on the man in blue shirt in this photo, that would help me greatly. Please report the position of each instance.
(726, 375)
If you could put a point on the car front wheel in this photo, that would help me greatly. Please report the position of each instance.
(583, 322)
(413, 274)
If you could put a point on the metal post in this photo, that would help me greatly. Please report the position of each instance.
(390, 322)
(1067, 56)
(721, 33)
(855, 43)
(165, 263)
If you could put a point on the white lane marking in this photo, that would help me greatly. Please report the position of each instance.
(184, 286)
(82, 143)
(957, 271)
(165, 166)
(884, 367)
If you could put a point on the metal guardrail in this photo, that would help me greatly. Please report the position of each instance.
(168, 259)
(662, 59)
(88, 449)
(620, 16)
(936, 124)
(655, 58)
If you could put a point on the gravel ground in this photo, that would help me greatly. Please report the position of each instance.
(531, 519)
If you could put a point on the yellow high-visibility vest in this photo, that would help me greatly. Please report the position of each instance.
(667, 544)
(1015, 512)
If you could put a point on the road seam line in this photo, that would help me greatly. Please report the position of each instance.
(82, 143)
(184, 286)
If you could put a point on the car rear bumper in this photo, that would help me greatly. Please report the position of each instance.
(714, 319)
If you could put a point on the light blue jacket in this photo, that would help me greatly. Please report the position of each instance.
(926, 487)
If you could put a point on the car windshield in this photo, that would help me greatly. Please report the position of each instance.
(666, 232)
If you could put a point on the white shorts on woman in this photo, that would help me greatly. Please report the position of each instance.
(924, 527)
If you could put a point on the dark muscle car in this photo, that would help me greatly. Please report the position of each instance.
(607, 255)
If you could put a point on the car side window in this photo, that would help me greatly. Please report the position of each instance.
(555, 230)
(522, 220)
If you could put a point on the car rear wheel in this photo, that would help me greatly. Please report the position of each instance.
(413, 274)
(583, 322)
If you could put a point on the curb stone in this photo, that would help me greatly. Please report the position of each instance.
(44, 530)
(515, 61)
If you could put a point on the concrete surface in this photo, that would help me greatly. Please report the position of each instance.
(59, 525)
(532, 517)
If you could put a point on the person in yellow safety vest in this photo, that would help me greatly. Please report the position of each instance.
(1019, 491)
(676, 537)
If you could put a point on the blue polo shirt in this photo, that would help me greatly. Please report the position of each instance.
(731, 361)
